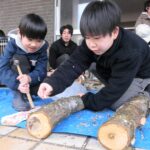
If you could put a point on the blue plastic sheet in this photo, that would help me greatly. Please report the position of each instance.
(84, 122)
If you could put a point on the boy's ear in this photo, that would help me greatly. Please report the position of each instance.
(147, 8)
(115, 32)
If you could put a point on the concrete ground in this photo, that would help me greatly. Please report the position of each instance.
(13, 138)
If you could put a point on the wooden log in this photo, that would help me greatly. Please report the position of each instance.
(41, 122)
(118, 132)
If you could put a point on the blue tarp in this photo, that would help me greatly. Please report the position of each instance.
(84, 122)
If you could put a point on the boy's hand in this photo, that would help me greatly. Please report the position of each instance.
(24, 88)
(24, 79)
(45, 90)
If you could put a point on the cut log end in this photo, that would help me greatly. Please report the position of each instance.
(38, 125)
(113, 136)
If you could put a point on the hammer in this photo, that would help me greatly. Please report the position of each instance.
(16, 62)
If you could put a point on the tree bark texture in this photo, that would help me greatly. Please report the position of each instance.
(118, 132)
(41, 122)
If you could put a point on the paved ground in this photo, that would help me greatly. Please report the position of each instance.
(12, 138)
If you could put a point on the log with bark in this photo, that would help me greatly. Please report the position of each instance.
(118, 133)
(41, 122)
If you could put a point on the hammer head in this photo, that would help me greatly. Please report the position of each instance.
(16, 62)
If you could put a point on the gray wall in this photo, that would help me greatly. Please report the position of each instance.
(11, 12)
(131, 9)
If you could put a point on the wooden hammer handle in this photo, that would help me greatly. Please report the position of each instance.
(19, 70)
(28, 94)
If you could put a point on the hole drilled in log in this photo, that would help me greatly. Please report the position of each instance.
(113, 136)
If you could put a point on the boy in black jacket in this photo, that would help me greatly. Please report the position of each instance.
(122, 59)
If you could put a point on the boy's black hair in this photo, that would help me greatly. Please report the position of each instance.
(33, 26)
(68, 26)
(146, 4)
(100, 18)
(2, 34)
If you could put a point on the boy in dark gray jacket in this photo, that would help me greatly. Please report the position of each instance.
(30, 49)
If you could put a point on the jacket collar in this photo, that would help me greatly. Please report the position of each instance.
(63, 42)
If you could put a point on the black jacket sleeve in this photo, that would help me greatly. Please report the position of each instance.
(65, 74)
